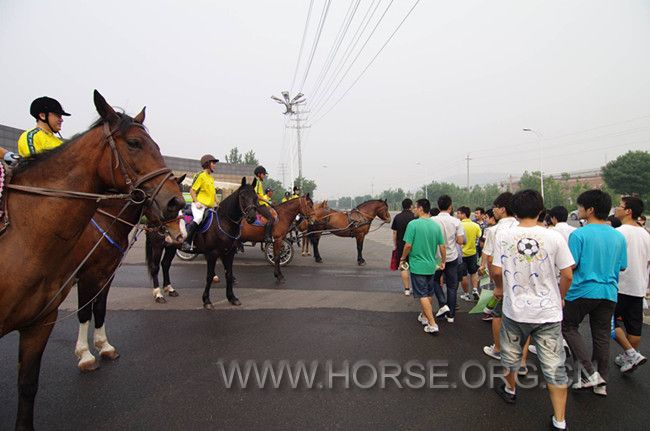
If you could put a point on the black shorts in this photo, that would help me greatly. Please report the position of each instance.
(470, 265)
(629, 314)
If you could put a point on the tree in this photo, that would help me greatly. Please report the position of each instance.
(250, 159)
(629, 174)
(308, 186)
(234, 157)
(344, 203)
(278, 189)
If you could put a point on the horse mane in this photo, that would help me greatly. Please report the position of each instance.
(28, 162)
(369, 201)
(230, 205)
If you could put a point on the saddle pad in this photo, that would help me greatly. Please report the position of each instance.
(207, 221)
(260, 221)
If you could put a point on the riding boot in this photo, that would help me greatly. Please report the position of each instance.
(191, 231)
(268, 232)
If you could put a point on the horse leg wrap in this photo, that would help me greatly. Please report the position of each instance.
(102, 345)
(87, 361)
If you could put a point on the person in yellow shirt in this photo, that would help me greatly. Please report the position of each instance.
(49, 115)
(204, 196)
(470, 260)
(264, 208)
(287, 196)
(296, 192)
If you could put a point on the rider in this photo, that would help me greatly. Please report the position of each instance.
(204, 195)
(287, 196)
(269, 192)
(49, 116)
(265, 208)
(296, 192)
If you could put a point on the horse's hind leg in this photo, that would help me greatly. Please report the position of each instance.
(167, 259)
(277, 246)
(314, 244)
(360, 260)
(228, 260)
(33, 340)
(154, 269)
(106, 350)
(87, 361)
(211, 259)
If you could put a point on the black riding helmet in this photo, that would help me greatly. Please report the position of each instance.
(46, 105)
(260, 170)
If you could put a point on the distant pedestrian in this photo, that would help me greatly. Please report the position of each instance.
(600, 255)
(632, 284)
(470, 255)
(400, 221)
(524, 273)
(454, 236)
(559, 216)
(423, 239)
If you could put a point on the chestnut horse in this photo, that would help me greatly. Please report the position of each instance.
(96, 275)
(287, 212)
(219, 241)
(354, 223)
(51, 199)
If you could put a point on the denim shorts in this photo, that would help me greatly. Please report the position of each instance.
(422, 285)
(547, 337)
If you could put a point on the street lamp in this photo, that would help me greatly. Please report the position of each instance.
(289, 104)
(541, 157)
(426, 189)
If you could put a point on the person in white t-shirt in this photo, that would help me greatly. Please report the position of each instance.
(524, 262)
(559, 216)
(454, 235)
(632, 284)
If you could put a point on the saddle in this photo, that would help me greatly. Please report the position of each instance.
(205, 223)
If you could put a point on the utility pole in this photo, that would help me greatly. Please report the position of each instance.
(468, 159)
(283, 171)
(289, 105)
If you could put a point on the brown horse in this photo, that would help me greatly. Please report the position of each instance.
(96, 275)
(51, 199)
(287, 212)
(320, 210)
(354, 223)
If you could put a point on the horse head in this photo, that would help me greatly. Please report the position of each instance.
(173, 230)
(307, 208)
(134, 164)
(248, 200)
(382, 212)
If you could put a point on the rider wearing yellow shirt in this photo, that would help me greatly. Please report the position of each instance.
(264, 208)
(204, 195)
(49, 114)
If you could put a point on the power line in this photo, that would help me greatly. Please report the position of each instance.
(371, 61)
(302, 44)
(326, 7)
(321, 105)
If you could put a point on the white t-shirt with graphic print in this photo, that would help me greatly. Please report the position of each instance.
(528, 257)
(504, 223)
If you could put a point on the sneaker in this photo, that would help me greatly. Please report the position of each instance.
(532, 349)
(589, 382)
(423, 320)
(554, 428)
(632, 362)
(620, 359)
(475, 294)
(489, 350)
(601, 390)
(522, 371)
(508, 398)
(487, 317)
(466, 297)
(432, 329)
(407, 292)
(487, 310)
(443, 310)
(450, 319)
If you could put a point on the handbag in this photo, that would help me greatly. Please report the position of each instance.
(394, 261)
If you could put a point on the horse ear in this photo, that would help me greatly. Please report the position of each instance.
(307, 195)
(181, 178)
(140, 117)
(254, 183)
(105, 111)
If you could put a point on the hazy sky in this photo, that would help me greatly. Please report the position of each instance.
(458, 77)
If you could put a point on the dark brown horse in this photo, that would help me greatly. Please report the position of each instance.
(51, 199)
(96, 275)
(218, 242)
(354, 223)
(287, 212)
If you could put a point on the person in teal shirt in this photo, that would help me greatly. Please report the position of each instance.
(600, 253)
(423, 239)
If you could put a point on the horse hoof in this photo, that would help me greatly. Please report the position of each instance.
(318, 260)
(173, 293)
(235, 301)
(208, 306)
(216, 279)
(111, 355)
(361, 262)
(88, 366)
(160, 300)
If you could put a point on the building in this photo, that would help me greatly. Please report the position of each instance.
(228, 175)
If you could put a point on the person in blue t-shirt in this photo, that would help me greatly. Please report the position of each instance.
(600, 254)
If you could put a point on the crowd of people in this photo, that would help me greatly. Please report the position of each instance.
(542, 276)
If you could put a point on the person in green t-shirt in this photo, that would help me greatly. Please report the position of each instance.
(423, 239)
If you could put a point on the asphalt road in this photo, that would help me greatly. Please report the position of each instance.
(170, 373)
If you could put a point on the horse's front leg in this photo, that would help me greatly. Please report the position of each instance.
(87, 361)
(314, 245)
(277, 247)
(228, 260)
(166, 263)
(211, 259)
(32, 344)
(106, 350)
(360, 260)
(154, 269)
